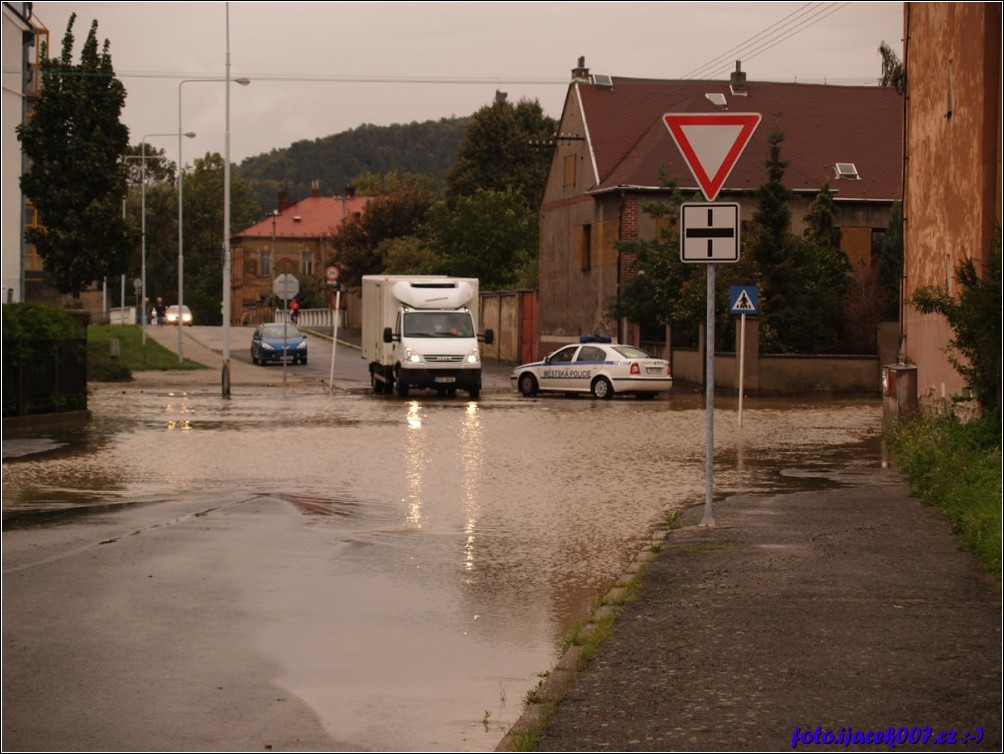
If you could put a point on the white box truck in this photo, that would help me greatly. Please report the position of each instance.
(421, 331)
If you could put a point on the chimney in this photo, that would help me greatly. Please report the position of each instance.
(283, 201)
(315, 188)
(738, 79)
(500, 97)
(581, 73)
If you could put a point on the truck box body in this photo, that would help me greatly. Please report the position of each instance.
(433, 328)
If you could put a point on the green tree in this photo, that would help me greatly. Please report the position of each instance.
(893, 71)
(821, 226)
(409, 255)
(975, 318)
(490, 235)
(394, 182)
(499, 151)
(76, 179)
(890, 267)
(360, 240)
(204, 234)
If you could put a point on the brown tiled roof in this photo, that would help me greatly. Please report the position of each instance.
(313, 217)
(822, 125)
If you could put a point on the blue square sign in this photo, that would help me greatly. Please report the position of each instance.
(744, 299)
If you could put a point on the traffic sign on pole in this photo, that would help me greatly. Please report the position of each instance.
(711, 144)
(286, 286)
(744, 299)
(709, 232)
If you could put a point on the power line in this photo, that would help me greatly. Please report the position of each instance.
(778, 32)
(730, 53)
(812, 21)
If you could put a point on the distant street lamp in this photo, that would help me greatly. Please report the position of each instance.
(189, 135)
(181, 182)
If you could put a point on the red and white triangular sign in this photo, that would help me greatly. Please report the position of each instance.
(711, 144)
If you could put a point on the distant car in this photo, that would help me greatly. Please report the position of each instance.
(171, 318)
(602, 369)
(267, 344)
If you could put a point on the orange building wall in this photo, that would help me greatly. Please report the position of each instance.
(952, 197)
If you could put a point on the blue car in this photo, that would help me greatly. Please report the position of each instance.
(267, 344)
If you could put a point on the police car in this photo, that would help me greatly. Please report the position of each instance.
(601, 368)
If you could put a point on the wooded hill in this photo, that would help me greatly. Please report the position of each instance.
(428, 148)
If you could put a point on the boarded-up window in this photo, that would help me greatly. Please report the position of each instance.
(606, 234)
(856, 243)
(569, 170)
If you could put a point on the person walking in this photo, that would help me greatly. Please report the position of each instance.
(294, 311)
(160, 311)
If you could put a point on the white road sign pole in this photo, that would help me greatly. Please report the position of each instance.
(334, 338)
(742, 362)
(708, 519)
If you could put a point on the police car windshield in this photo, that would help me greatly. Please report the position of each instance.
(438, 325)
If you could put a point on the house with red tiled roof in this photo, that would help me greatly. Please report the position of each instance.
(612, 144)
(296, 239)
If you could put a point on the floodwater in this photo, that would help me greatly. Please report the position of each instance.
(444, 547)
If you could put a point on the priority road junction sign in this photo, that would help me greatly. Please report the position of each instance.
(709, 232)
(711, 144)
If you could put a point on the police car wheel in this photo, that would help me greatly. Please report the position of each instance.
(602, 388)
(528, 385)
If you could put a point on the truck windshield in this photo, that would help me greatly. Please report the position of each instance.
(438, 325)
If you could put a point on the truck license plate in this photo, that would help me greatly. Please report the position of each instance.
(446, 379)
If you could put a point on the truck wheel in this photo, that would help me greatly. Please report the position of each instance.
(474, 393)
(402, 388)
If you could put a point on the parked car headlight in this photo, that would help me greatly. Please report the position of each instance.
(266, 347)
(473, 357)
(301, 346)
(412, 356)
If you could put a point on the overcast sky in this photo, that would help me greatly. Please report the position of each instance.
(323, 68)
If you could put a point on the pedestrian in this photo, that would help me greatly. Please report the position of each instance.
(160, 310)
(294, 311)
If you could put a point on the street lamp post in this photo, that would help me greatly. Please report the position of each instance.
(181, 183)
(143, 223)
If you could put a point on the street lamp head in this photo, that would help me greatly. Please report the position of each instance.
(242, 81)
(189, 134)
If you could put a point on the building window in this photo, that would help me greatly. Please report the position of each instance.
(569, 170)
(264, 264)
(307, 263)
(584, 241)
(878, 241)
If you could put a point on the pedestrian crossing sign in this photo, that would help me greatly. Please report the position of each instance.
(744, 299)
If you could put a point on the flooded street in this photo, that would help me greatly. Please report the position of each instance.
(403, 570)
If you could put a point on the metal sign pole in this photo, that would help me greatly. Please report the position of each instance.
(742, 362)
(708, 518)
(285, 346)
(334, 337)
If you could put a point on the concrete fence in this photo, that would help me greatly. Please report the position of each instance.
(767, 374)
(313, 317)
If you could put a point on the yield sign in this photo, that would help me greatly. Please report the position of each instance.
(711, 144)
